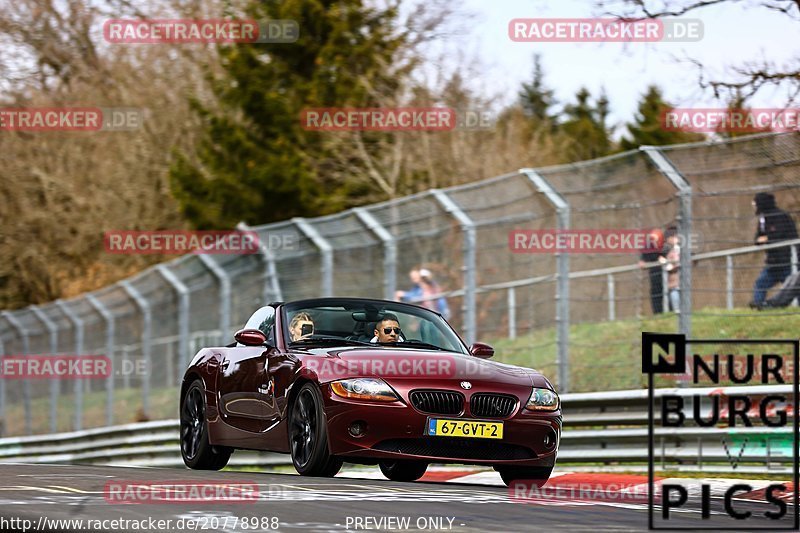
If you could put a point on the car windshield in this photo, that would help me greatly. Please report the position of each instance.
(355, 322)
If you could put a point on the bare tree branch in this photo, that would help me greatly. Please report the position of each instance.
(747, 79)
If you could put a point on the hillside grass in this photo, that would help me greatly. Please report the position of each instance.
(607, 355)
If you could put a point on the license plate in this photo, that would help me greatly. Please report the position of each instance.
(438, 427)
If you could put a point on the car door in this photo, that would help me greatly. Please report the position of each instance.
(246, 388)
(245, 384)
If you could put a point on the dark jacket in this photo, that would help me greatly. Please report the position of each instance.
(777, 225)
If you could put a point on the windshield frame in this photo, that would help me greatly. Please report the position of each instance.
(411, 309)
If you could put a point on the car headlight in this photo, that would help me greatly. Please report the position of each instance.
(364, 389)
(543, 400)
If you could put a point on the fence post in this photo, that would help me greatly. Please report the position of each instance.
(183, 317)
(26, 383)
(512, 313)
(794, 269)
(470, 243)
(224, 294)
(325, 250)
(669, 171)
(78, 389)
(271, 282)
(147, 321)
(389, 250)
(108, 317)
(53, 331)
(562, 277)
(612, 302)
(729, 281)
(126, 376)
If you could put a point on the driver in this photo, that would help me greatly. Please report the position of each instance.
(388, 330)
(299, 322)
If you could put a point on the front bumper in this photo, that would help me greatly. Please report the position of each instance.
(397, 431)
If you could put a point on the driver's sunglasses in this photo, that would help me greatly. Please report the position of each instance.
(386, 331)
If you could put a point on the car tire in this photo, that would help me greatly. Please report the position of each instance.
(536, 476)
(196, 450)
(308, 435)
(403, 470)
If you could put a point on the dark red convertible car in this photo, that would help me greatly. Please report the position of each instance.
(335, 380)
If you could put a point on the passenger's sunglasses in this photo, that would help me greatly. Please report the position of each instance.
(386, 331)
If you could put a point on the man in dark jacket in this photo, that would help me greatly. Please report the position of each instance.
(774, 225)
(651, 254)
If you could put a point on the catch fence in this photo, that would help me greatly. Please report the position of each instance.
(576, 317)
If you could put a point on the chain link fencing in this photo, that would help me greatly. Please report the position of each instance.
(576, 317)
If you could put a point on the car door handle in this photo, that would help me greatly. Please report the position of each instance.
(225, 364)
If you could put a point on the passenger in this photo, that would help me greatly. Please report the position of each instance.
(299, 322)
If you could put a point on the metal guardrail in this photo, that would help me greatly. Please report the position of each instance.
(605, 428)
(141, 444)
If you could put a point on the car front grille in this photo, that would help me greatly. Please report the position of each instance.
(457, 448)
(492, 405)
(437, 402)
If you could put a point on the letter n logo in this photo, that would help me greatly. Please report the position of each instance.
(663, 353)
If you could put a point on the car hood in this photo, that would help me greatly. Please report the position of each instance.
(400, 364)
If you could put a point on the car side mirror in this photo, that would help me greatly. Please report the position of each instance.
(479, 349)
(250, 337)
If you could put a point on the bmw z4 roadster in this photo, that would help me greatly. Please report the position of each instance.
(336, 380)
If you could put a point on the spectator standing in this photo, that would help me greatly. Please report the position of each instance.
(651, 254)
(431, 292)
(672, 264)
(774, 225)
(415, 292)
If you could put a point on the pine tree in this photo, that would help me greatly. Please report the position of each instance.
(535, 99)
(585, 126)
(648, 129)
(256, 162)
(737, 108)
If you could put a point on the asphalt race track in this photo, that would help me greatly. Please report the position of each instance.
(42, 493)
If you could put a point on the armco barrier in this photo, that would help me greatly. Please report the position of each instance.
(607, 430)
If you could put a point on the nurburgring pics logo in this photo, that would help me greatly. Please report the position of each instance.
(713, 120)
(737, 433)
(596, 30)
(70, 118)
(181, 31)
